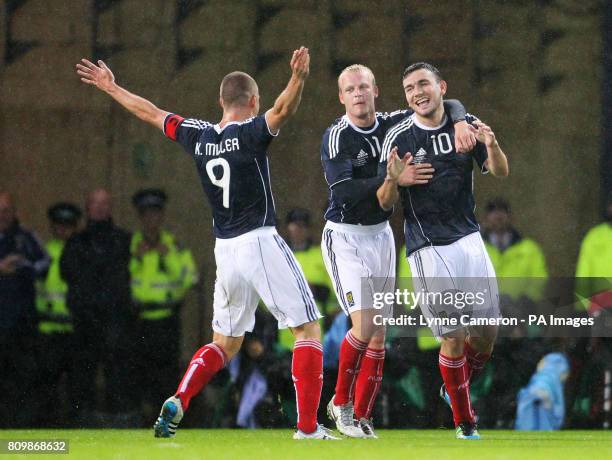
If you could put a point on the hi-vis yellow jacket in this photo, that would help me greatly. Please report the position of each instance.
(159, 283)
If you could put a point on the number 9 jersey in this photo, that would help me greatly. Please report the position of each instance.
(233, 166)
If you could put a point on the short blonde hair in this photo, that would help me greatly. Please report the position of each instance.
(357, 68)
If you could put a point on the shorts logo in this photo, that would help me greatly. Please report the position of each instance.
(349, 299)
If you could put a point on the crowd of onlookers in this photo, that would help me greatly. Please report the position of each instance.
(89, 320)
(90, 330)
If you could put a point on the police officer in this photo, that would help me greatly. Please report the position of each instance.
(162, 273)
(594, 266)
(513, 255)
(54, 319)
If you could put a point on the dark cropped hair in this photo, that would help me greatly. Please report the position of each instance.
(237, 88)
(422, 65)
(498, 204)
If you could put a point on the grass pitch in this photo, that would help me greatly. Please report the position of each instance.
(277, 444)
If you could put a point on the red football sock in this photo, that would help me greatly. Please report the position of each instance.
(455, 373)
(206, 362)
(476, 360)
(368, 382)
(307, 373)
(351, 351)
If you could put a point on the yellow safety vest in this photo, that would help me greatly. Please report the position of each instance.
(53, 314)
(159, 283)
(594, 268)
(521, 260)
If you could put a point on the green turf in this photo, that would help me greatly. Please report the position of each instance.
(277, 444)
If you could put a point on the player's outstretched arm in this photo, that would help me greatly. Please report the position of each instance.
(387, 193)
(102, 78)
(288, 101)
(497, 162)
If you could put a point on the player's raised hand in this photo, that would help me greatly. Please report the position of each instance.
(483, 133)
(415, 174)
(395, 166)
(465, 139)
(300, 63)
(97, 75)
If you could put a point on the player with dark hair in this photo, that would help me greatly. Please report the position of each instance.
(443, 244)
(357, 244)
(253, 261)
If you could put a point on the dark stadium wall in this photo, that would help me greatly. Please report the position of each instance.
(532, 70)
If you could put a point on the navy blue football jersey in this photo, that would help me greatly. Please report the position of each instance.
(233, 166)
(441, 211)
(347, 153)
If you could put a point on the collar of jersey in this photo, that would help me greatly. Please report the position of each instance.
(428, 128)
(219, 129)
(358, 129)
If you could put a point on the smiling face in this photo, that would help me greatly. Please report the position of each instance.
(424, 92)
(357, 92)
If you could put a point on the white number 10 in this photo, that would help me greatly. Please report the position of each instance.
(439, 141)
(223, 181)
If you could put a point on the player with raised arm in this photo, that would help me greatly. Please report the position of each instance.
(252, 260)
(357, 243)
(443, 243)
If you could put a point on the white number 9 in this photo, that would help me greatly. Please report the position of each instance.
(223, 181)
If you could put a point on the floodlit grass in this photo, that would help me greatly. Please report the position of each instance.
(277, 444)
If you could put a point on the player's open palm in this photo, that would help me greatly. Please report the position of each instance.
(300, 63)
(395, 166)
(97, 75)
(415, 174)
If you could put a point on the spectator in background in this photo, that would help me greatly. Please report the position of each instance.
(593, 371)
(541, 404)
(56, 346)
(22, 260)
(512, 255)
(95, 265)
(162, 272)
(594, 267)
(522, 274)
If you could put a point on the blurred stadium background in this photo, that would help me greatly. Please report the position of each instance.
(540, 73)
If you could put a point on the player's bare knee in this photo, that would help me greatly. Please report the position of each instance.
(377, 341)
(310, 330)
(452, 345)
(229, 345)
(364, 328)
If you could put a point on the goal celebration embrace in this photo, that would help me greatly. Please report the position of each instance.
(424, 153)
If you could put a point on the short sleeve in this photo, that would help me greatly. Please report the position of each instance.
(399, 115)
(336, 168)
(185, 131)
(256, 134)
(479, 153)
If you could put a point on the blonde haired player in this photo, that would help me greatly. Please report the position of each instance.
(357, 243)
